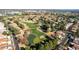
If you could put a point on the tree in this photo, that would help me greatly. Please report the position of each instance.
(21, 25)
(22, 48)
(14, 29)
(44, 28)
(77, 33)
(6, 33)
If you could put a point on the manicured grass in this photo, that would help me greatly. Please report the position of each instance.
(32, 38)
(36, 39)
(33, 27)
(38, 33)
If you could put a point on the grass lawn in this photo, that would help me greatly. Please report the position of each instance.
(33, 27)
(37, 33)
(34, 38)
(31, 37)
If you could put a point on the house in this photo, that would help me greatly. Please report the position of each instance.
(5, 43)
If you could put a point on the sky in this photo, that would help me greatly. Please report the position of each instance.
(39, 4)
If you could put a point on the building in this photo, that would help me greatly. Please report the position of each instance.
(5, 43)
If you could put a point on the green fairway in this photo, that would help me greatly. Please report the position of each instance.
(34, 30)
(34, 39)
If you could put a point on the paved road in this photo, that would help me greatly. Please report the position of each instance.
(68, 25)
(14, 39)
